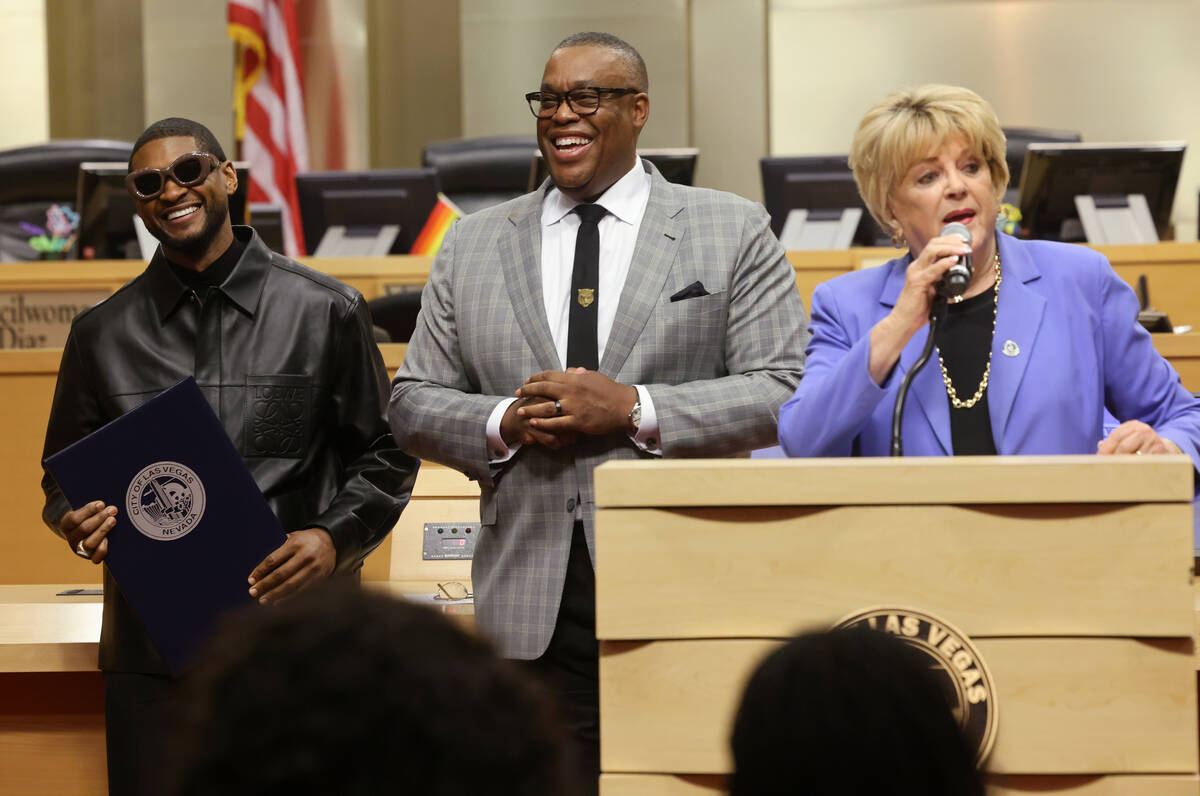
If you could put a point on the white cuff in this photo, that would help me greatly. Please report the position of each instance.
(498, 452)
(646, 437)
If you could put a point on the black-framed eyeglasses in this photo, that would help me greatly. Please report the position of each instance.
(452, 591)
(582, 101)
(187, 170)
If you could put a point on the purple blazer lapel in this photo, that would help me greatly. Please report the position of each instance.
(927, 393)
(1018, 320)
(929, 390)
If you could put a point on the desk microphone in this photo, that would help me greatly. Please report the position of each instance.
(954, 282)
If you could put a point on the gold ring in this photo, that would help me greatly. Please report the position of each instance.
(81, 551)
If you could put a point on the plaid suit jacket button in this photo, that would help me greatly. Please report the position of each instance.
(570, 504)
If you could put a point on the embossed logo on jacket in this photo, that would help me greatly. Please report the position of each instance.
(278, 419)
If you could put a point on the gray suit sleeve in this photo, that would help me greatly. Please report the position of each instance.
(435, 411)
(764, 358)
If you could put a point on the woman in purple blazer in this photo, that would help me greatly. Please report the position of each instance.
(1042, 341)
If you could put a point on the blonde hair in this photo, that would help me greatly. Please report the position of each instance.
(910, 123)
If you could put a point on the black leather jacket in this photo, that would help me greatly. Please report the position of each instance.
(274, 335)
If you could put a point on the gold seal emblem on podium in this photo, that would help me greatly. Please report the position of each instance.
(962, 672)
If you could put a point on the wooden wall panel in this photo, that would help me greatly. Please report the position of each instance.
(1107, 570)
(1087, 706)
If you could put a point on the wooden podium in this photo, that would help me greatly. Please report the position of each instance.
(1072, 575)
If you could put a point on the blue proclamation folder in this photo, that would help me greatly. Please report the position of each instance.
(191, 522)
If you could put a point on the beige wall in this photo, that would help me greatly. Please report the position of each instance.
(737, 78)
(188, 75)
(505, 46)
(415, 78)
(729, 93)
(95, 69)
(24, 99)
(1114, 70)
(117, 65)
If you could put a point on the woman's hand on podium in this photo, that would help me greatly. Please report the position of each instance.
(1134, 436)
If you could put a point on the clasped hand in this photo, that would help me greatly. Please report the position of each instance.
(553, 407)
(1134, 436)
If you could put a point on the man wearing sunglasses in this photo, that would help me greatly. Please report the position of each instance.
(608, 315)
(286, 358)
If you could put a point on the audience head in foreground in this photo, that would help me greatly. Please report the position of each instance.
(848, 712)
(346, 691)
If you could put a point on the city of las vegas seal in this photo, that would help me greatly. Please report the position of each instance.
(165, 501)
(952, 656)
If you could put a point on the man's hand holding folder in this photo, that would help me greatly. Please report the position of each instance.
(306, 557)
(86, 529)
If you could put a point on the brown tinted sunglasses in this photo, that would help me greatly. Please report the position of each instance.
(188, 170)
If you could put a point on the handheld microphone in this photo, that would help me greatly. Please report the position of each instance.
(954, 282)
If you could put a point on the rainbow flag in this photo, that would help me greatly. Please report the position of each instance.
(443, 215)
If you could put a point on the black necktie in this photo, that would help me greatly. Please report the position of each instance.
(582, 351)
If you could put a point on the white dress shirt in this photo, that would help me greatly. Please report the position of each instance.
(625, 202)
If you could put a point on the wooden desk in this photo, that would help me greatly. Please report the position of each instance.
(1183, 352)
(372, 276)
(1077, 670)
(52, 696)
(1173, 270)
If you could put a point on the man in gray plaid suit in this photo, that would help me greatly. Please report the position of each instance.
(537, 358)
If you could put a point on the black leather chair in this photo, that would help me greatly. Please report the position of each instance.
(34, 177)
(480, 172)
(396, 314)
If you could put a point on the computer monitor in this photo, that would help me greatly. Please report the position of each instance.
(267, 220)
(1017, 140)
(676, 164)
(106, 211)
(363, 201)
(1054, 174)
(815, 182)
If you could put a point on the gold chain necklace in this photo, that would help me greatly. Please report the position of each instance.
(955, 401)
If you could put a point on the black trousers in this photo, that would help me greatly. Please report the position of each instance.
(570, 666)
(137, 718)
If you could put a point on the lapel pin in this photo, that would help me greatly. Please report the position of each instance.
(1010, 349)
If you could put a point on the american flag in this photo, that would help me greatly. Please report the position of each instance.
(269, 98)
